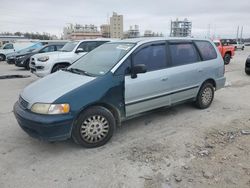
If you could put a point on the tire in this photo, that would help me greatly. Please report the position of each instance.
(27, 64)
(2, 57)
(227, 58)
(58, 67)
(205, 96)
(247, 72)
(242, 48)
(94, 127)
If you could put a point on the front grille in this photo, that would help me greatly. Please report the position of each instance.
(23, 103)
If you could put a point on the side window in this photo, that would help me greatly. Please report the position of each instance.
(182, 54)
(8, 46)
(206, 49)
(153, 56)
(48, 49)
(58, 47)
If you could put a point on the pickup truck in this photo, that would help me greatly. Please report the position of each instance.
(227, 51)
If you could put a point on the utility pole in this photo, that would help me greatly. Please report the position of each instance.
(241, 34)
(237, 36)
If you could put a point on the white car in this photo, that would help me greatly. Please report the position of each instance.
(47, 63)
(9, 48)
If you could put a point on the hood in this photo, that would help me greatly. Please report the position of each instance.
(24, 54)
(53, 86)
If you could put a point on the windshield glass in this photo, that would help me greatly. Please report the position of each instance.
(69, 47)
(99, 61)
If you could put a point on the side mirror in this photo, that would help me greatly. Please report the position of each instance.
(79, 50)
(137, 69)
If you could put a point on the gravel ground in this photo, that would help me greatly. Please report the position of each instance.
(176, 147)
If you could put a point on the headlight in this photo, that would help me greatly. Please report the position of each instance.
(41, 108)
(21, 57)
(43, 59)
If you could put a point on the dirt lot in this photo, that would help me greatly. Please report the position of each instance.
(176, 147)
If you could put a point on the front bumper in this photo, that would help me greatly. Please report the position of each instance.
(20, 63)
(11, 61)
(44, 127)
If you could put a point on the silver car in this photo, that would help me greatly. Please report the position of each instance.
(116, 81)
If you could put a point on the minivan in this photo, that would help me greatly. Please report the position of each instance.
(117, 81)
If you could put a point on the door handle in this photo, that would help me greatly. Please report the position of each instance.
(164, 79)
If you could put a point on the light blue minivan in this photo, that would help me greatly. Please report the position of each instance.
(117, 81)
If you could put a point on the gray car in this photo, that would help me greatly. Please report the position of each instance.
(117, 81)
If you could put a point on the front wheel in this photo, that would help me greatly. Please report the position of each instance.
(227, 58)
(94, 127)
(205, 96)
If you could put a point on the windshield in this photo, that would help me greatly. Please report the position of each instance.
(69, 47)
(31, 48)
(99, 61)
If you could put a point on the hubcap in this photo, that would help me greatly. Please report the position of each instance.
(94, 129)
(207, 95)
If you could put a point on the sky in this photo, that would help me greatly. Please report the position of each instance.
(221, 16)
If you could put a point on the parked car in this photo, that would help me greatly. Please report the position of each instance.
(23, 59)
(9, 48)
(226, 50)
(115, 82)
(247, 66)
(11, 57)
(237, 44)
(47, 63)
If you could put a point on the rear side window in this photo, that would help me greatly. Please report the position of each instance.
(182, 54)
(206, 49)
(153, 56)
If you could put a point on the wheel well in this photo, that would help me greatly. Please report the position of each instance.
(228, 53)
(62, 63)
(3, 55)
(111, 108)
(210, 81)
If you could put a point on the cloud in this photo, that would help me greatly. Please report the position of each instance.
(51, 16)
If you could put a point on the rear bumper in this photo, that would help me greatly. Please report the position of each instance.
(44, 127)
(220, 83)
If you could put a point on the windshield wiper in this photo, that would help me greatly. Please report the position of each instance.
(79, 71)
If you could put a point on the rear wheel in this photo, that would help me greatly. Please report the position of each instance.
(59, 67)
(247, 72)
(242, 48)
(94, 127)
(2, 57)
(205, 96)
(227, 58)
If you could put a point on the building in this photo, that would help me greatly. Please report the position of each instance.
(116, 26)
(180, 28)
(79, 32)
(105, 30)
(133, 32)
(149, 33)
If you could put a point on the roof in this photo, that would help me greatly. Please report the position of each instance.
(152, 39)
